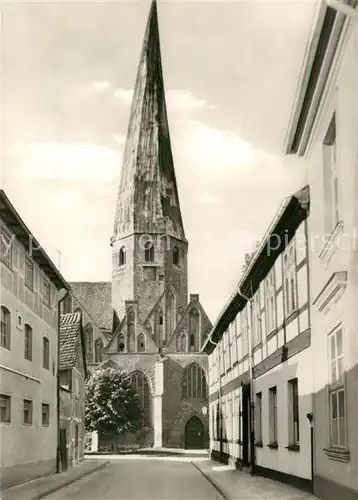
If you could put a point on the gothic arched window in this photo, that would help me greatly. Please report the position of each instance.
(149, 251)
(89, 342)
(171, 314)
(131, 330)
(98, 352)
(141, 385)
(5, 327)
(194, 320)
(175, 256)
(181, 342)
(122, 256)
(140, 343)
(158, 325)
(121, 343)
(194, 382)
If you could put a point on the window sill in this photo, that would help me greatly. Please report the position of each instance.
(259, 444)
(6, 347)
(331, 245)
(8, 265)
(293, 447)
(273, 446)
(337, 454)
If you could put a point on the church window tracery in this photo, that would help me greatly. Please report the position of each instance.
(98, 351)
(194, 382)
(194, 320)
(149, 252)
(88, 334)
(121, 345)
(141, 385)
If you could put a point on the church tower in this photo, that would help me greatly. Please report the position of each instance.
(149, 248)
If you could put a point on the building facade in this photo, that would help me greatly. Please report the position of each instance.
(154, 331)
(323, 131)
(73, 373)
(30, 286)
(260, 390)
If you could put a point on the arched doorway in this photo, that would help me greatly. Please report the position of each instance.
(194, 434)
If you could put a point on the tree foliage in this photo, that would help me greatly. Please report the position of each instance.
(112, 405)
(249, 256)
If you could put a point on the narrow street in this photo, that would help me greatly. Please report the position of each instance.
(141, 480)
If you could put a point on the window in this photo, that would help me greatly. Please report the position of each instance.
(27, 412)
(88, 334)
(131, 330)
(149, 252)
(193, 329)
(140, 343)
(121, 343)
(175, 256)
(46, 353)
(5, 409)
(46, 293)
(6, 247)
(273, 415)
(141, 385)
(258, 417)
(171, 314)
(5, 327)
(181, 342)
(336, 390)
(245, 332)
(270, 301)
(289, 273)
(234, 342)
(98, 351)
(194, 382)
(122, 256)
(256, 320)
(45, 415)
(330, 177)
(294, 427)
(28, 342)
(29, 272)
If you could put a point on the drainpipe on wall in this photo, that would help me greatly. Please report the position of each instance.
(62, 294)
(252, 391)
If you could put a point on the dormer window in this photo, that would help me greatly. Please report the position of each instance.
(176, 256)
(122, 256)
(149, 252)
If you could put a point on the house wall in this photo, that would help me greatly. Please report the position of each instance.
(280, 352)
(72, 414)
(27, 451)
(336, 475)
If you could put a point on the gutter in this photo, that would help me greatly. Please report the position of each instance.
(63, 294)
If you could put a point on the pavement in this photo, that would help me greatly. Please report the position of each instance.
(238, 485)
(39, 488)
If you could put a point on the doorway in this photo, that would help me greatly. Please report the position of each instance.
(246, 425)
(194, 434)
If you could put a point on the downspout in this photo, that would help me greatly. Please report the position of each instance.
(220, 403)
(63, 293)
(252, 392)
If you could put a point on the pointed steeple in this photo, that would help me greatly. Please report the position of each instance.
(148, 200)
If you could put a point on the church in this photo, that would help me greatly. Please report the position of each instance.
(143, 321)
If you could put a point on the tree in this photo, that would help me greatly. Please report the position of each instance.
(112, 405)
(249, 256)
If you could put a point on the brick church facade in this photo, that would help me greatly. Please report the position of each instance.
(144, 321)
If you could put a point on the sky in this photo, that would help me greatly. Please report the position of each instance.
(231, 71)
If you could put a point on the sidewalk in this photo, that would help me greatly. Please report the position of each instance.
(38, 488)
(237, 485)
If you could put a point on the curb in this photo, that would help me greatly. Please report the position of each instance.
(213, 483)
(68, 481)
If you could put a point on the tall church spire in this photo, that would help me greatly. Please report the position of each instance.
(148, 199)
